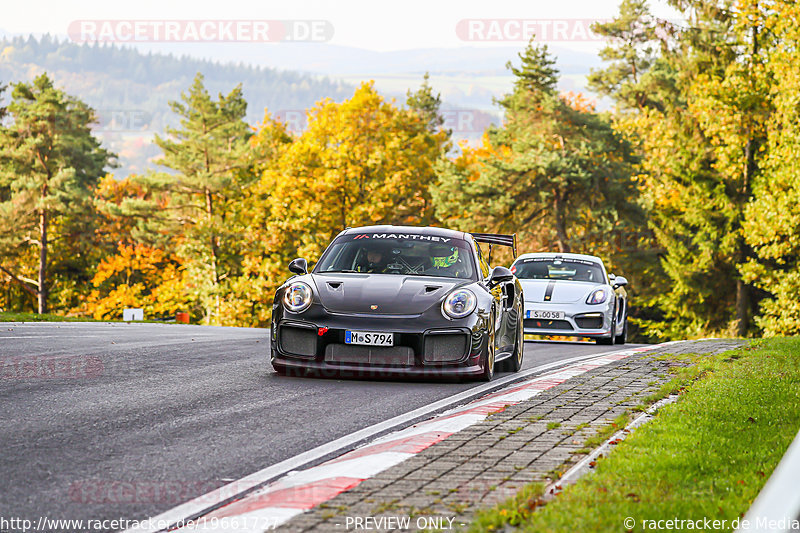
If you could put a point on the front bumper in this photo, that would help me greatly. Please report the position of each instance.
(315, 341)
(580, 320)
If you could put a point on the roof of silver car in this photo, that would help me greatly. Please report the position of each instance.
(563, 255)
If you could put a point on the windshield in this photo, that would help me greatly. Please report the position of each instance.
(405, 254)
(559, 269)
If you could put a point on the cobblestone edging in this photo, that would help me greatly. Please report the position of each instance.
(492, 460)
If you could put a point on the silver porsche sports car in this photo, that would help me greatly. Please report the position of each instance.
(572, 295)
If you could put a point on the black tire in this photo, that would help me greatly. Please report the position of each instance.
(514, 363)
(488, 367)
(281, 370)
(610, 340)
(622, 338)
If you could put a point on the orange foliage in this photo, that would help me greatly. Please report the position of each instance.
(579, 102)
(137, 276)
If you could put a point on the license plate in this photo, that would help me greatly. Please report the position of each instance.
(369, 338)
(544, 315)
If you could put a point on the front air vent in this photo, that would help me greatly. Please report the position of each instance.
(444, 347)
(593, 321)
(432, 288)
(535, 323)
(369, 355)
(298, 341)
(335, 285)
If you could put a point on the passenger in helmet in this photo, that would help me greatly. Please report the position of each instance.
(445, 261)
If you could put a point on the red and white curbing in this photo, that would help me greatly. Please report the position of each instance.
(299, 491)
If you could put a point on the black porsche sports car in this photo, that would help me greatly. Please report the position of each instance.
(400, 301)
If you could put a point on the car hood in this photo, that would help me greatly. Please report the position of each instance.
(393, 294)
(561, 291)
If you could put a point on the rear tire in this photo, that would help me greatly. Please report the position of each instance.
(514, 363)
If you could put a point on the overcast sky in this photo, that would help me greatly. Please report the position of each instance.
(372, 25)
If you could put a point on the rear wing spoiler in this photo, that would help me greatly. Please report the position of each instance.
(497, 238)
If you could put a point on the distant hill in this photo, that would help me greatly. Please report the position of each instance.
(131, 90)
(131, 85)
(467, 76)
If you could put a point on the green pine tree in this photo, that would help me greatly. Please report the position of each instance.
(634, 74)
(426, 105)
(209, 154)
(49, 164)
(537, 73)
(555, 170)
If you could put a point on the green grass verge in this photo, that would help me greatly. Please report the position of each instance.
(705, 456)
(7, 316)
(36, 317)
(514, 511)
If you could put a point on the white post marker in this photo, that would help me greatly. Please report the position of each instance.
(132, 314)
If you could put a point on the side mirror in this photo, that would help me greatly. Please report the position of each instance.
(619, 281)
(298, 266)
(500, 274)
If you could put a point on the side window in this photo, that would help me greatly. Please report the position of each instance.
(484, 266)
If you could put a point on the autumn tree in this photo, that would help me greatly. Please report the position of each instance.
(697, 113)
(264, 251)
(363, 161)
(360, 162)
(49, 163)
(771, 223)
(209, 154)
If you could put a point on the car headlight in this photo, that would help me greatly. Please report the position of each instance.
(459, 303)
(597, 297)
(297, 297)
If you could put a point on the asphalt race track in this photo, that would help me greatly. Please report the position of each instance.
(107, 421)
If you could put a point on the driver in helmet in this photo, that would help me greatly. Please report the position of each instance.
(375, 262)
(445, 261)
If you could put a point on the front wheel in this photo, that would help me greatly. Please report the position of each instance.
(488, 368)
(622, 338)
(610, 340)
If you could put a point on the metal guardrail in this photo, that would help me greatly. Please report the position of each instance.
(777, 507)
